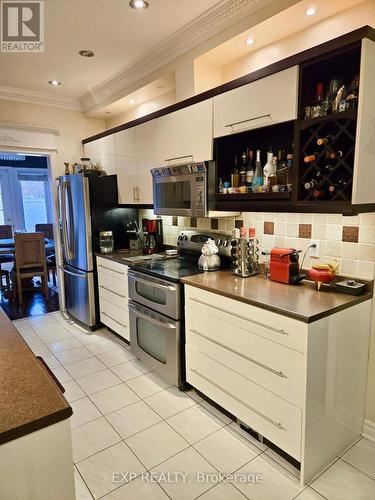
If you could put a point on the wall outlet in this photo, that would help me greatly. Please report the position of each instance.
(315, 251)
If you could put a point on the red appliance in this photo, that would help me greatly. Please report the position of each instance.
(152, 235)
(284, 266)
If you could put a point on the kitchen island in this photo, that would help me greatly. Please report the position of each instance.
(34, 425)
(287, 361)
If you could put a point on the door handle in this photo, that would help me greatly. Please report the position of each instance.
(179, 158)
(151, 282)
(137, 312)
(64, 270)
(268, 115)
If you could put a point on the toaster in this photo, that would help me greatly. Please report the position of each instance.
(284, 266)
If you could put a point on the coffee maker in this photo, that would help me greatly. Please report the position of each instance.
(284, 266)
(152, 235)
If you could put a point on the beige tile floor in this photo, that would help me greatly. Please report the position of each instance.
(127, 419)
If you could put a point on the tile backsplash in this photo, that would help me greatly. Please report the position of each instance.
(350, 240)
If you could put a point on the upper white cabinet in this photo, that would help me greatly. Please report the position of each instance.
(364, 158)
(272, 99)
(127, 174)
(103, 151)
(186, 133)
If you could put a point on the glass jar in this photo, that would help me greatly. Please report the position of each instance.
(106, 242)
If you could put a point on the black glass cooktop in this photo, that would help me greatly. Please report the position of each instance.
(172, 269)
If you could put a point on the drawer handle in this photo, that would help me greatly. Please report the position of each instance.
(282, 332)
(113, 319)
(273, 422)
(115, 293)
(268, 115)
(261, 365)
(109, 269)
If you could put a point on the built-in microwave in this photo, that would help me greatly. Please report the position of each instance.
(185, 189)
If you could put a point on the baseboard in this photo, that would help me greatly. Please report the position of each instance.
(369, 430)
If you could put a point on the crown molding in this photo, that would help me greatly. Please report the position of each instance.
(209, 24)
(29, 128)
(40, 98)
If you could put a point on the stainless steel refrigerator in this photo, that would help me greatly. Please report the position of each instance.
(77, 197)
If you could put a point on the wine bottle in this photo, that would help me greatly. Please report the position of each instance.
(258, 174)
(243, 169)
(319, 194)
(289, 172)
(273, 175)
(323, 141)
(249, 171)
(311, 184)
(335, 155)
(310, 158)
(282, 171)
(267, 171)
(235, 177)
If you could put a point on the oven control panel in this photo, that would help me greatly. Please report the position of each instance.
(194, 241)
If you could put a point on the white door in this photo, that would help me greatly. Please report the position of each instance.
(270, 100)
(102, 151)
(5, 199)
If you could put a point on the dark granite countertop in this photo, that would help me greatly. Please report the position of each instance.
(120, 256)
(302, 302)
(29, 398)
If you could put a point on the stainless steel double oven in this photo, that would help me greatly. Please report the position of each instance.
(155, 324)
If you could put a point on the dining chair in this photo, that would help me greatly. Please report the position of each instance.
(30, 253)
(46, 229)
(5, 258)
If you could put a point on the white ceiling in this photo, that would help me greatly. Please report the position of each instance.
(116, 33)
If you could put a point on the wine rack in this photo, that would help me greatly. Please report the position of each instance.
(341, 128)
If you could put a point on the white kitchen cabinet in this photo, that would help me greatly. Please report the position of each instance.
(148, 157)
(300, 385)
(267, 101)
(186, 134)
(102, 151)
(113, 296)
(126, 159)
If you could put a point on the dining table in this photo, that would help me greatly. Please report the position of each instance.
(7, 245)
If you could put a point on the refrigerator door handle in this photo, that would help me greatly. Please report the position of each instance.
(64, 225)
(71, 239)
(64, 270)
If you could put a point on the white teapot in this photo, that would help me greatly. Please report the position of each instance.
(209, 260)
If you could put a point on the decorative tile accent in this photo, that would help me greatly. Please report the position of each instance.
(215, 224)
(269, 228)
(305, 230)
(193, 222)
(238, 223)
(350, 234)
(174, 221)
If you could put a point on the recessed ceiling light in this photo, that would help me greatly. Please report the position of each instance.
(311, 11)
(250, 41)
(138, 4)
(131, 101)
(86, 53)
(55, 83)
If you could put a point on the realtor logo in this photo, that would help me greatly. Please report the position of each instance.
(22, 26)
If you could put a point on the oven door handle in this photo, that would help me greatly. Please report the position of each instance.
(150, 318)
(151, 282)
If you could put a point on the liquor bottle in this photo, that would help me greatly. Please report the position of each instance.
(267, 171)
(310, 158)
(273, 175)
(323, 141)
(221, 186)
(243, 169)
(353, 91)
(319, 95)
(258, 174)
(250, 171)
(289, 172)
(235, 177)
(282, 170)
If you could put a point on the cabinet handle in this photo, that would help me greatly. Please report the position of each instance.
(113, 319)
(251, 408)
(268, 115)
(109, 269)
(115, 293)
(282, 332)
(179, 158)
(261, 365)
(136, 196)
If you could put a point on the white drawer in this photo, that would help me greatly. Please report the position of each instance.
(115, 285)
(276, 327)
(271, 416)
(114, 269)
(270, 365)
(115, 317)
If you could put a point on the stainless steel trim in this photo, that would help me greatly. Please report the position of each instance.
(64, 227)
(151, 318)
(113, 319)
(251, 408)
(71, 223)
(115, 293)
(86, 198)
(151, 281)
(179, 158)
(261, 365)
(110, 269)
(282, 332)
(268, 115)
(64, 270)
